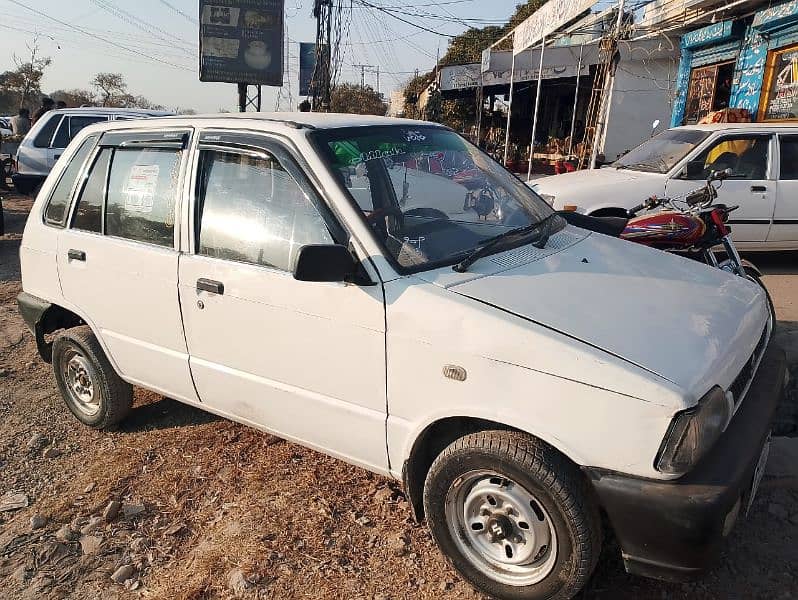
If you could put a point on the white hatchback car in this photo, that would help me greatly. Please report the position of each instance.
(763, 158)
(45, 142)
(382, 291)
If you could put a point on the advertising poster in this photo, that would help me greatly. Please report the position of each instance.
(241, 41)
(782, 99)
(307, 64)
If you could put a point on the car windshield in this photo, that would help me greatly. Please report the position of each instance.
(430, 197)
(662, 152)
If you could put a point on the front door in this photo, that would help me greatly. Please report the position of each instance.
(117, 259)
(303, 360)
(751, 186)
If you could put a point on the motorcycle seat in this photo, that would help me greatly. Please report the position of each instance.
(612, 226)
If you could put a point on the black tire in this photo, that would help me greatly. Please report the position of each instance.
(754, 276)
(555, 482)
(112, 395)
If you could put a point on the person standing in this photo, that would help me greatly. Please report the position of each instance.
(20, 125)
(47, 105)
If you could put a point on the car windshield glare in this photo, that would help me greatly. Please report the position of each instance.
(660, 153)
(429, 196)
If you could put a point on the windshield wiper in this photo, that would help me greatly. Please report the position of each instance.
(491, 243)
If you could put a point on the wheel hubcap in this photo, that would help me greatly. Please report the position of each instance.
(501, 528)
(79, 379)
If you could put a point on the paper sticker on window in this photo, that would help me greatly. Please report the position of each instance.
(415, 136)
(140, 189)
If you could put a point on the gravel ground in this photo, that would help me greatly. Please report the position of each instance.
(179, 504)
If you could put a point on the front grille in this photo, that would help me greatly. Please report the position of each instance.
(739, 386)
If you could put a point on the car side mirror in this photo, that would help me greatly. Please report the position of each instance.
(694, 170)
(325, 262)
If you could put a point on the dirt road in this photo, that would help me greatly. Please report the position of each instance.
(211, 509)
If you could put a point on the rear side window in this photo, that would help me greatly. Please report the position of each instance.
(789, 158)
(71, 126)
(56, 211)
(89, 210)
(42, 139)
(142, 189)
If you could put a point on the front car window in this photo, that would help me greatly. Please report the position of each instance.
(661, 153)
(250, 209)
(430, 197)
(745, 155)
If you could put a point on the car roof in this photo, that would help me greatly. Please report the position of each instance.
(284, 120)
(112, 111)
(727, 126)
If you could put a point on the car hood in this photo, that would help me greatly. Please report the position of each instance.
(585, 189)
(690, 324)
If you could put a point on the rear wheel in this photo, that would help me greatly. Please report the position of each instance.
(513, 516)
(90, 386)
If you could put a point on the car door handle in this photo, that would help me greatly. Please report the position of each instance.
(209, 285)
(77, 255)
(758, 189)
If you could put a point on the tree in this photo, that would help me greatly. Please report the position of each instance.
(22, 86)
(112, 88)
(75, 97)
(351, 98)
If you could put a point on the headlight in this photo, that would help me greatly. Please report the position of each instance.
(693, 432)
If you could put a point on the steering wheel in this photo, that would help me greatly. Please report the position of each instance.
(389, 219)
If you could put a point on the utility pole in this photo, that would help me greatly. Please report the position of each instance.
(363, 73)
(606, 104)
(322, 76)
(378, 79)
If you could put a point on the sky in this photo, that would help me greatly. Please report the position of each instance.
(153, 43)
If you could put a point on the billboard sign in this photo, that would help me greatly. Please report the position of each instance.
(241, 41)
(464, 77)
(553, 15)
(307, 65)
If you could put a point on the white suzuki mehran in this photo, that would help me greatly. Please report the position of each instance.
(384, 292)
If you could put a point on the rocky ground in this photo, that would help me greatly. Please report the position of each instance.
(178, 504)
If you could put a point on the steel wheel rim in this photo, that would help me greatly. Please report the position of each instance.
(501, 528)
(79, 379)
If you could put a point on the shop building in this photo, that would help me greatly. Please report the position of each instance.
(748, 63)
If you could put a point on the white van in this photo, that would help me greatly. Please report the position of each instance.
(46, 140)
(382, 291)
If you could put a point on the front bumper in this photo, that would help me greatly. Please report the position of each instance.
(674, 530)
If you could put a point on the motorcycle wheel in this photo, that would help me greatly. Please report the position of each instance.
(754, 276)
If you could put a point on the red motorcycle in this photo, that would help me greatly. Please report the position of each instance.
(692, 225)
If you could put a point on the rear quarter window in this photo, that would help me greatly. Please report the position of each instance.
(42, 139)
(58, 203)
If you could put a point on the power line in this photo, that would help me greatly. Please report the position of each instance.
(403, 20)
(189, 18)
(99, 37)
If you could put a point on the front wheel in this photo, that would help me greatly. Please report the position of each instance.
(754, 276)
(514, 517)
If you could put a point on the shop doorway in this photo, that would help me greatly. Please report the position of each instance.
(709, 90)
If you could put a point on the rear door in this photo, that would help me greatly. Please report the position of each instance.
(302, 359)
(785, 218)
(118, 260)
(752, 185)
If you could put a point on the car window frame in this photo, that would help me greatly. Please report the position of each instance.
(679, 171)
(255, 143)
(147, 138)
(779, 136)
(78, 192)
(79, 182)
(49, 117)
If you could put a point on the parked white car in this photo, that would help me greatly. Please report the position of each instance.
(382, 291)
(48, 137)
(763, 158)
